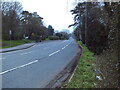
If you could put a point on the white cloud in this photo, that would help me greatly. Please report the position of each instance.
(55, 12)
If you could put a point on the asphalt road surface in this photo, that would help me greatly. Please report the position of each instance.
(35, 67)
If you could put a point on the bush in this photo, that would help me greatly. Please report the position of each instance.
(53, 37)
(63, 38)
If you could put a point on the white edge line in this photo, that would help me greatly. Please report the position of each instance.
(72, 74)
(18, 67)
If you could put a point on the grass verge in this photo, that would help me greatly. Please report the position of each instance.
(84, 76)
(47, 38)
(6, 44)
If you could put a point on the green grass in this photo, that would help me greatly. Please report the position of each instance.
(6, 44)
(84, 76)
(47, 38)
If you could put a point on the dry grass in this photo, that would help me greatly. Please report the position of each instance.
(107, 63)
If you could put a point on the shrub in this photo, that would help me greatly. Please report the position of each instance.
(53, 37)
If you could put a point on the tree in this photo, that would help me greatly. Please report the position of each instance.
(58, 35)
(51, 30)
(90, 25)
(32, 24)
(10, 18)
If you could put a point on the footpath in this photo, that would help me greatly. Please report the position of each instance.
(20, 47)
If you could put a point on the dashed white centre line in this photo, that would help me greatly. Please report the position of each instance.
(63, 47)
(18, 67)
(29, 62)
(54, 52)
(30, 52)
(25, 53)
(66, 45)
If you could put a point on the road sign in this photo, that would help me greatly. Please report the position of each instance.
(10, 32)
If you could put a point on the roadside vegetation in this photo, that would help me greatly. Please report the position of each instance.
(99, 32)
(84, 76)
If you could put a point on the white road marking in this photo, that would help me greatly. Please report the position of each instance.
(18, 67)
(34, 46)
(25, 53)
(63, 47)
(66, 45)
(72, 74)
(30, 52)
(54, 52)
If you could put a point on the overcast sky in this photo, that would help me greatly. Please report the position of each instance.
(55, 12)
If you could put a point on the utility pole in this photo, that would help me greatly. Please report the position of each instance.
(86, 23)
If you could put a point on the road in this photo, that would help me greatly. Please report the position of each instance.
(35, 67)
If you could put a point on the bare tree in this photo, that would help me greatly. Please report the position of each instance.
(11, 13)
